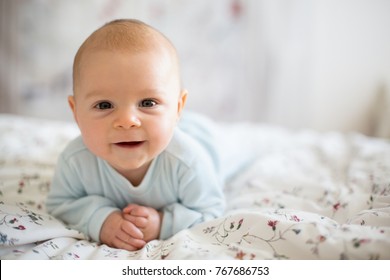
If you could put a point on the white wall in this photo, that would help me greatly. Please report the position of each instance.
(327, 63)
(351, 75)
(299, 63)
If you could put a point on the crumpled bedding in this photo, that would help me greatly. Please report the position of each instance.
(304, 195)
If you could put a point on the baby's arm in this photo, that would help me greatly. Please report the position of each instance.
(200, 197)
(147, 219)
(120, 233)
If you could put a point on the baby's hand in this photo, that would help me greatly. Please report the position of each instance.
(120, 233)
(147, 219)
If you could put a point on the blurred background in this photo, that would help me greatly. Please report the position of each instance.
(321, 65)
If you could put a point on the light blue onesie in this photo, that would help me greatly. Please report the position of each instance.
(182, 182)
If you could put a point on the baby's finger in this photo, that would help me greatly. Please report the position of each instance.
(118, 243)
(140, 211)
(130, 242)
(129, 208)
(140, 222)
(132, 230)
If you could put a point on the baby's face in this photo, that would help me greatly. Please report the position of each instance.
(127, 106)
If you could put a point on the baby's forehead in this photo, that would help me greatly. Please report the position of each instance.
(128, 35)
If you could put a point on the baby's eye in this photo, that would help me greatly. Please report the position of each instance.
(104, 105)
(147, 103)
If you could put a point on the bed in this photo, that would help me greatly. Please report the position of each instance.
(306, 195)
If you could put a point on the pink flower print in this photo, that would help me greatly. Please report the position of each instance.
(272, 224)
(240, 255)
(20, 227)
(295, 218)
(21, 186)
(321, 238)
(336, 206)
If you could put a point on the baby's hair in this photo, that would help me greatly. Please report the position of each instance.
(123, 35)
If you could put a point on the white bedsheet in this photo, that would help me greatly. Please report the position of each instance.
(306, 195)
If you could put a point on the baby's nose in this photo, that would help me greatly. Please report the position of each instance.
(127, 119)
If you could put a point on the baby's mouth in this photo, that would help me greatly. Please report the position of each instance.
(130, 144)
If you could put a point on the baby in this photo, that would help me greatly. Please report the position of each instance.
(133, 175)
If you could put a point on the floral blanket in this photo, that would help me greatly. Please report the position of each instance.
(305, 195)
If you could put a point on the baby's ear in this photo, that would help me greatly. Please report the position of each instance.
(72, 105)
(182, 102)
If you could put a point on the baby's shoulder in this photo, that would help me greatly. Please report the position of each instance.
(184, 148)
(76, 148)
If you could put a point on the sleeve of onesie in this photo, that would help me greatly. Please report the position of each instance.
(69, 202)
(200, 198)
